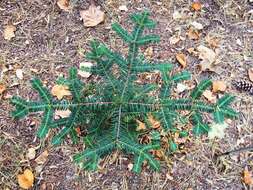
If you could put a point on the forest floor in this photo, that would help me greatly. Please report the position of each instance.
(48, 41)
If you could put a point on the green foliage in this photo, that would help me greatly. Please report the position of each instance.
(107, 111)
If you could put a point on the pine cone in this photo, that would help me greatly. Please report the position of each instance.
(244, 86)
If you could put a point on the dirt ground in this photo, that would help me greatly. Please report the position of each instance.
(48, 41)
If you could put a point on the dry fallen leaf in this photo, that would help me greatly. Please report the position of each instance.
(9, 32)
(19, 74)
(192, 51)
(93, 16)
(158, 153)
(64, 5)
(60, 90)
(154, 123)
(219, 86)
(217, 130)
(208, 57)
(250, 73)
(141, 125)
(181, 58)
(148, 53)
(174, 39)
(180, 87)
(42, 158)
(213, 42)
(247, 177)
(177, 15)
(130, 166)
(197, 25)
(62, 113)
(31, 153)
(123, 8)
(26, 179)
(2, 88)
(209, 96)
(78, 130)
(196, 6)
(193, 34)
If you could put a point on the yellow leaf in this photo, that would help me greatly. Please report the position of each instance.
(64, 5)
(26, 179)
(181, 59)
(141, 125)
(196, 6)
(93, 16)
(250, 73)
(2, 88)
(42, 158)
(9, 32)
(247, 177)
(154, 123)
(209, 96)
(219, 86)
(60, 90)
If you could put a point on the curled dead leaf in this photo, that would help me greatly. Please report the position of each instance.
(217, 130)
(123, 8)
(197, 25)
(60, 91)
(64, 5)
(93, 16)
(2, 88)
(62, 113)
(247, 177)
(177, 15)
(9, 32)
(180, 87)
(130, 166)
(174, 39)
(154, 123)
(158, 153)
(141, 125)
(208, 57)
(219, 86)
(196, 6)
(149, 52)
(193, 34)
(213, 42)
(250, 73)
(181, 58)
(19, 74)
(31, 153)
(209, 96)
(78, 130)
(42, 158)
(26, 179)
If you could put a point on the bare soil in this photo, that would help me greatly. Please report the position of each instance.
(49, 41)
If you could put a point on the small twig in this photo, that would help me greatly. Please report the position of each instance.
(237, 151)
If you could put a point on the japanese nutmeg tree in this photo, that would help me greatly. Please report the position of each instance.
(109, 111)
